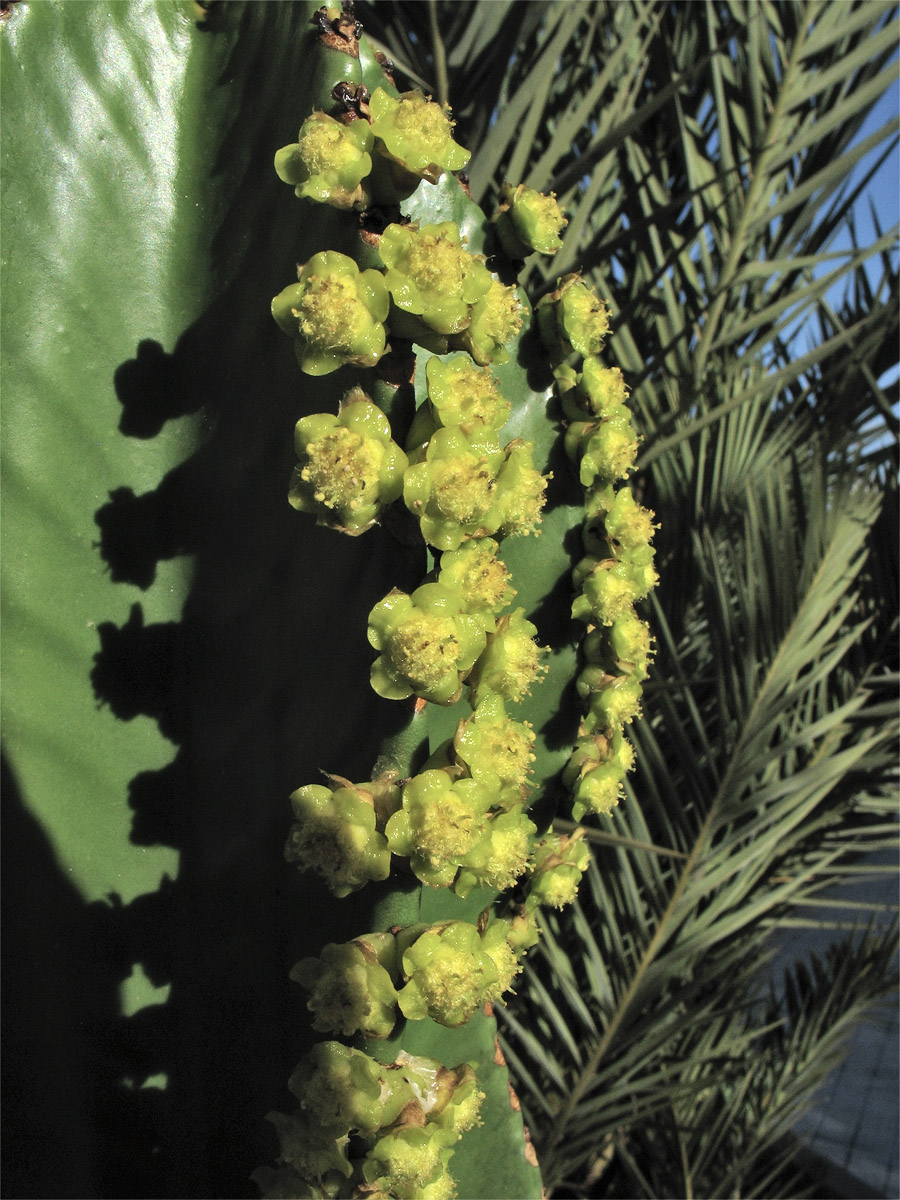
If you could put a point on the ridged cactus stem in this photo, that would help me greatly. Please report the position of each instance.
(460, 407)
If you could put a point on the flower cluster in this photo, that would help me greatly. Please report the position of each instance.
(366, 1128)
(617, 569)
(381, 159)
(431, 290)
(461, 822)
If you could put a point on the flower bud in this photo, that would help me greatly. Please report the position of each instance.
(528, 220)
(559, 863)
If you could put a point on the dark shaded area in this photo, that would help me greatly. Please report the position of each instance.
(261, 683)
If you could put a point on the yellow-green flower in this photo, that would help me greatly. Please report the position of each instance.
(499, 856)
(451, 489)
(604, 451)
(496, 320)
(497, 751)
(345, 1089)
(448, 975)
(572, 318)
(409, 1163)
(329, 161)
(481, 578)
(349, 467)
(416, 133)
(350, 986)
(559, 863)
(510, 663)
(461, 393)
(433, 280)
(597, 392)
(528, 220)
(335, 312)
(427, 644)
(596, 770)
(439, 824)
(335, 835)
(464, 486)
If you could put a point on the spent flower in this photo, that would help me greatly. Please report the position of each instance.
(351, 988)
(334, 834)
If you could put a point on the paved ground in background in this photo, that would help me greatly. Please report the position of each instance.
(855, 1124)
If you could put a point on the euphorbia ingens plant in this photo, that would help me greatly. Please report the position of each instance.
(461, 820)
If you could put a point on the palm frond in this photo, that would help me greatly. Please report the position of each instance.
(711, 159)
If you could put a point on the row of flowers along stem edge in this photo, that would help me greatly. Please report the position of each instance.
(461, 822)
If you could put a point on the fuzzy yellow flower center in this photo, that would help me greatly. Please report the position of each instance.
(342, 466)
(436, 264)
(507, 746)
(486, 581)
(330, 313)
(423, 118)
(463, 488)
(446, 831)
(324, 147)
(451, 984)
(424, 649)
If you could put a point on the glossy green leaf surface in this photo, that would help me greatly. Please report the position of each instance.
(171, 664)
(181, 650)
